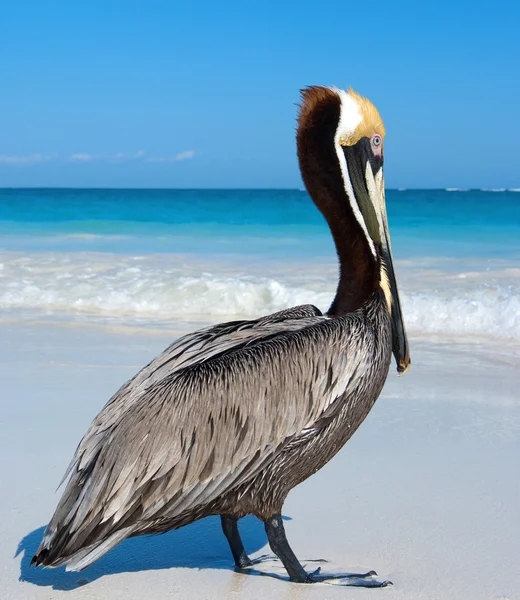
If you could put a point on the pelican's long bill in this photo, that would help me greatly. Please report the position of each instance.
(365, 169)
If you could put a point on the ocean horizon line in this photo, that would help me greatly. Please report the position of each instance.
(248, 189)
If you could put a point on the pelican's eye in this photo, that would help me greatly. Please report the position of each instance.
(377, 141)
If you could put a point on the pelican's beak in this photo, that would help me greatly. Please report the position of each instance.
(400, 346)
(366, 175)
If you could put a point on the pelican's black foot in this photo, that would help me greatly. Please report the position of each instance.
(243, 563)
(347, 579)
(245, 566)
(270, 557)
(297, 574)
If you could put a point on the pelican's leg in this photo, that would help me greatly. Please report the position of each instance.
(230, 529)
(280, 546)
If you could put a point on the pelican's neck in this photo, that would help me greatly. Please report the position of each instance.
(359, 270)
(359, 275)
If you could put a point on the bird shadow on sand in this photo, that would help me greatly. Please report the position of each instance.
(200, 545)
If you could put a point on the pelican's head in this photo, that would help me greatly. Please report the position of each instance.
(359, 142)
(337, 127)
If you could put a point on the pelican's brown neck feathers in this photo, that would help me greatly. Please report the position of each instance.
(359, 266)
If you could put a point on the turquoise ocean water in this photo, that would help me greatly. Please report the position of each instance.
(163, 256)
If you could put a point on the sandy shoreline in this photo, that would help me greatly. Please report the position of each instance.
(426, 492)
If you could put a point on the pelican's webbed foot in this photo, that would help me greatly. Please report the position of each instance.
(347, 579)
(297, 574)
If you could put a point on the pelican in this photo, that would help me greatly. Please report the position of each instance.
(227, 420)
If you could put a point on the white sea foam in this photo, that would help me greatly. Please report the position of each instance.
(155, 289)
(484, 313)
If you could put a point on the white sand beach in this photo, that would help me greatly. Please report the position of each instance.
(426, 493)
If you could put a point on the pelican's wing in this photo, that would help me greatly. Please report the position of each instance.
(189, 350)
(188, 428)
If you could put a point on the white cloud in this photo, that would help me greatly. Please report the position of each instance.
(116, 157)
(86, 157)
(28, 159)
(185, 155)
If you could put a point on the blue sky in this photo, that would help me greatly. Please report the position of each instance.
(203, 94)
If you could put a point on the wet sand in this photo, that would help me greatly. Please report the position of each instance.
(426, 493)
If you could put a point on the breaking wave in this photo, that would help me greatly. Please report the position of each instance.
(130, 289)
